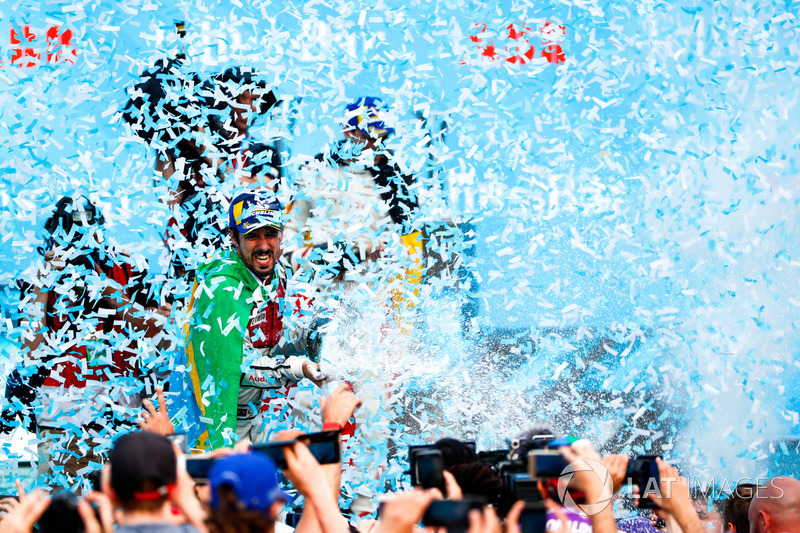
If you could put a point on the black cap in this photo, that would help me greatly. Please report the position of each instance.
(138, 457)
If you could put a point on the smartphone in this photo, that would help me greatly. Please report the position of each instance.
(533, 518)
(292, 519)
(643, 472)
(274, 450)
(198, 467)
(546, 464)
(412, 454)
(61, 515)
(427, 470)
(95, 480)
(323, 445)
(181, 439)
(451, 514)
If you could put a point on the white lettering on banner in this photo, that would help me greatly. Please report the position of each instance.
(576, 526)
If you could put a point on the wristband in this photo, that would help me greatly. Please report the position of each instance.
(329, 426)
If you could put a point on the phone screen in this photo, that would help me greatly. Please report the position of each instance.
(451, 513)
(199, 467)
(429, 469)
(274, 450)
(643, 470)
(533, 518)
(546, 464)
(96, 480)
(325, 446)
(181, 440)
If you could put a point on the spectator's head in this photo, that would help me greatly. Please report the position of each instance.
(143, 471)
(365, 121)
(775, 507)
(72, 225)
(708, 510)
(737, 507)
(455, 452)
(256, 226)
(474, 478)
(245, 495)
(244, 97)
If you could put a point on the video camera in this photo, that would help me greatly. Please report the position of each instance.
(513, 467)
(528, 467)
(427, 465)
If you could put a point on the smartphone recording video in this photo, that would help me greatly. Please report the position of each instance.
(181, 439)
(451, 514)
(198, 468)
(643, 472)
(427, 469)
(325, 446)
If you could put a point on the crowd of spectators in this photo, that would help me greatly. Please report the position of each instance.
(146, 486)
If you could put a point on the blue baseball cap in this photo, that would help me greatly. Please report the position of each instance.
(366, 115)
(253, 478)
(251, 210)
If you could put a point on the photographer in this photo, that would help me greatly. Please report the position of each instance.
(144, 482)
(63, 513)
(24, 515)
(352, 199)
(87, 306)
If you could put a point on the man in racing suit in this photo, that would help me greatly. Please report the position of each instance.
(237, 350)
(89, 308)
(353, 202)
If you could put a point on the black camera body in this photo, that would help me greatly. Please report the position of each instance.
(512, 467)
(451, 514)
(61, 515)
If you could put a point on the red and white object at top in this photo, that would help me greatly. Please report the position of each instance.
(517, 43)
(31, 47)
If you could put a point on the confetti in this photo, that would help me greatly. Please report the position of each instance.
(603, 196)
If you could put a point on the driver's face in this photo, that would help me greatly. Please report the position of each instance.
(360, 137)
(246, 108)
(260, 250)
